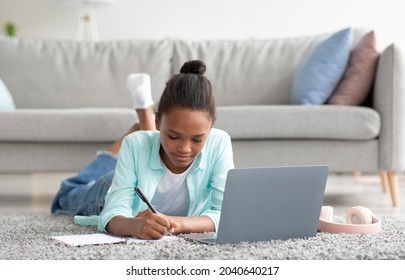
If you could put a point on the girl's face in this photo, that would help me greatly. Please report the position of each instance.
(183, 135)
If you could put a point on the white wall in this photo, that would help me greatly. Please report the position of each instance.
(210, 19)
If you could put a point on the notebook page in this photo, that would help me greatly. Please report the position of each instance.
(102, 238)
(89, 239)
(136, 240)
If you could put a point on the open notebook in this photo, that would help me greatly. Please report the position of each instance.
(102, 238)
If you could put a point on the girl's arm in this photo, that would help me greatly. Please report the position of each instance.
(176, 224)
(146, 225)
(221, 163)
(192, 224)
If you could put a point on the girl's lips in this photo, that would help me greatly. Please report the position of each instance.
(182, 158)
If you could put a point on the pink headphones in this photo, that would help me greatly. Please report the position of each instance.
(358, 220)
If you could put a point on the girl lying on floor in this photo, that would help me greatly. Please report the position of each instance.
(175, 156)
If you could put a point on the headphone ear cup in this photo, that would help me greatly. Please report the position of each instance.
(326, 214)
(359, 215)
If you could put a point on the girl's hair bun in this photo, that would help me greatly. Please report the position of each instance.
(193, 67)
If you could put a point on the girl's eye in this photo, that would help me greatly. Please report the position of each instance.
(173, 137)
(197, 140)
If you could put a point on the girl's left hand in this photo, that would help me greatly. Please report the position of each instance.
(174, 225)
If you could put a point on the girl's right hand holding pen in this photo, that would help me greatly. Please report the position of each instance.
(151, 225)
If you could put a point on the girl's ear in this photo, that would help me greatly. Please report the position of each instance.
(157, 123)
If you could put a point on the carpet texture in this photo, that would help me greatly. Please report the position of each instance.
(27, 237)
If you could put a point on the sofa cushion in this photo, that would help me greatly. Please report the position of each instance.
(321, 69)
(73, 74)
(358, 78)
(65, 125)
(299, 122)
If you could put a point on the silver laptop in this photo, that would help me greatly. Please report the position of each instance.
(269, 203)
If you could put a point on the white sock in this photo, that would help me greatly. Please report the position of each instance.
(139, 87)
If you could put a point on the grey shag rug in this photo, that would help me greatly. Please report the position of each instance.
(27, 237)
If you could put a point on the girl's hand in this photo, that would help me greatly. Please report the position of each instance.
(151, 225)
(174, 224)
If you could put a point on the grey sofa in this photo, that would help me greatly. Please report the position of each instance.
(71, 101)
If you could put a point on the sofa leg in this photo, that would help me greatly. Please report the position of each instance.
(384, 181)
(393, 180)
(357, 176)
(357, 173)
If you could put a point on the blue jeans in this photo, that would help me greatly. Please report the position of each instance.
(84, 193)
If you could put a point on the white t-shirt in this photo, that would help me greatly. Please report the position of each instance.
(171, 196)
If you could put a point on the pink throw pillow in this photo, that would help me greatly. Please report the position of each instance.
(358, 78)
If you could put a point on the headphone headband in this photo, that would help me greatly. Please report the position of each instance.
(327, 225)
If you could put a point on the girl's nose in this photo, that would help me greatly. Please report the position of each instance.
(184, 148)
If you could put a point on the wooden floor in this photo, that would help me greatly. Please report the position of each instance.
(34, 193)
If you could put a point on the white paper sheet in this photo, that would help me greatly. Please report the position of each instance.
(101, 238)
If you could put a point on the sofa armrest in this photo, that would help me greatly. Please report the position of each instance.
(389, 101)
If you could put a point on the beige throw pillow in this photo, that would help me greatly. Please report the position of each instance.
(358, 78)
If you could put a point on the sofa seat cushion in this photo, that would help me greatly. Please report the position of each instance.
(299, 122)
(65, 125)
